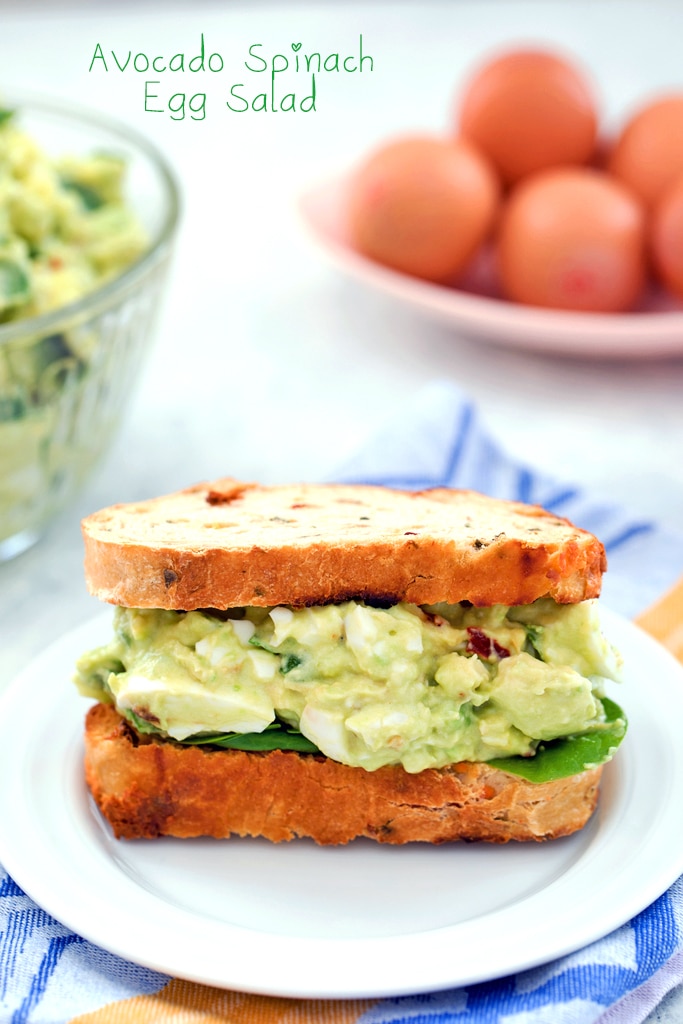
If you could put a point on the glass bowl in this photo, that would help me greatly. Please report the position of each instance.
(66, 375)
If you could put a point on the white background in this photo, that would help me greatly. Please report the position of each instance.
(267, 364)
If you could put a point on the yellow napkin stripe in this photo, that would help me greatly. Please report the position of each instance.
(664, 620)
(185, 1002)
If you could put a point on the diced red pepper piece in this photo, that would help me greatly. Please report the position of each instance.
(483, 645)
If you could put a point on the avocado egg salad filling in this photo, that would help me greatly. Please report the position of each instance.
(369, 686)
(64, 224)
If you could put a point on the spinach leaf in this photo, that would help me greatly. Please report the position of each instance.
(288, 659)
(12, 407)
(14, 283)
(255, 641)
(533, 635)
(90, 199)
(141, 724)
(276, 736)
(555, 759)
(558, 759)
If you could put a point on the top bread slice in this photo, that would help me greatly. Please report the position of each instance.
(229, 544)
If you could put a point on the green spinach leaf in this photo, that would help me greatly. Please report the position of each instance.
(555, 759)
(276, 736)
(558, 759)
(90, 199)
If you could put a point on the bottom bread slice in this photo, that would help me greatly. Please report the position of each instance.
(147, 787)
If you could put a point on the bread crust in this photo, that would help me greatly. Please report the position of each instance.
(229, 544)
(146, 787)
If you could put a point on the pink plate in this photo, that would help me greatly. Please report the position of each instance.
(474, 310)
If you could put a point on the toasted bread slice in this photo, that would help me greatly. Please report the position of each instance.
(229, 544)
(147, 787)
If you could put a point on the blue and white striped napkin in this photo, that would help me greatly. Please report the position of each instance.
(442, 442)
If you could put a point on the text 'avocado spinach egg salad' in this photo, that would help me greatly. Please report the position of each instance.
(367, 686)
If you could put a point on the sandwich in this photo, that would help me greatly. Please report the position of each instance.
(341, 661)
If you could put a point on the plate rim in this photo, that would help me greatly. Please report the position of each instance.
(432, 949)
(634, 335)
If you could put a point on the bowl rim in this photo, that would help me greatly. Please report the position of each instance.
(94, 301)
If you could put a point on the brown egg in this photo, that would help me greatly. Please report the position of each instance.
(572, 239)
(529, 110)
(648, 155)
(666, 237)
(422, 205)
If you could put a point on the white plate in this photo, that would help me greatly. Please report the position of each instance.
(361, 920)
(474, 310)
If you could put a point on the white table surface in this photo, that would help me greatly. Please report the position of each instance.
(267, 364)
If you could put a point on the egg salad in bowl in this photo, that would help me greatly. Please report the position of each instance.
(87, 217)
